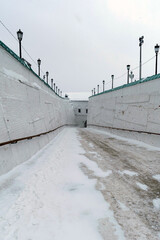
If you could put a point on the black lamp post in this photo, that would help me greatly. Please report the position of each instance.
(103, 85)
(20, 36)
(128, 67)
(156, 48)
(94, 91)
(47, 73)
(54, 86)
(39, 63)
(56, 89)
(112, 76)
(97, 89)
(52, 83)
(141, 41)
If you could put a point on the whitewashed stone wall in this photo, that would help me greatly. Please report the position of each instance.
(132, 111)
(27, 107)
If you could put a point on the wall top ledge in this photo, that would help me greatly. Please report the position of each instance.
(147, 79)
(24, 63)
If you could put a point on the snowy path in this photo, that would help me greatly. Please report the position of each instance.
(49, 197)
(85, 185)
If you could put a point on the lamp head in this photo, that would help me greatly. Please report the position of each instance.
(20, 35)
(128, 67)
(39, 61)
(156, 48)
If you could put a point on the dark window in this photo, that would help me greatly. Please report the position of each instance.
(86, 110)
(79, 110)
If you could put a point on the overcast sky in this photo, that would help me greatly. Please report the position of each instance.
(82, 42)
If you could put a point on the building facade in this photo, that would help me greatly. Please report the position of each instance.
(80, 108)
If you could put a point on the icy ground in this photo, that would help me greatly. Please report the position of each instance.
(84, 185)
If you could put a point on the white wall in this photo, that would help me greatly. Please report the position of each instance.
(136, 108)
(27, 107)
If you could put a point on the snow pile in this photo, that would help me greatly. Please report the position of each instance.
(122, 206)
(127, 172)
(156, 203)
(142, 186)
(157, 177)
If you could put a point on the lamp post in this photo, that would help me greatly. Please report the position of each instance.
(44, 77)
(47, 73)
(97, 89)
(39, 63)
(141, 41)
(54, 86)
(112, 76)
(94, 91)
(20, 36)
(56, 89)
(52, 83)
(156, 48)
(103, 85)
(128, 67)
(131, 75)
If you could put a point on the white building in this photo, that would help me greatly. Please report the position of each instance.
(80, 105)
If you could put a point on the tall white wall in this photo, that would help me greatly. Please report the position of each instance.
(132, 111)
(27, 107)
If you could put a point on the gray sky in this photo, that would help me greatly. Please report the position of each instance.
(82, 42)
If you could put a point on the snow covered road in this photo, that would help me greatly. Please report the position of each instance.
(84, 185)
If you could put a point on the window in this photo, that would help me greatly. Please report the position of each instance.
(79, 110)
(86, 110)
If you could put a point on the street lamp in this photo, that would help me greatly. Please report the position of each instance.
(94, 91)
(103, 85)
(131, 75)
(20, 36)
(112, 76)
(54, 86)
(97, 89)
(156, 48)
(128, 67)
(141, 41)
(47, 73)
(56, 89)
(39, 63)
(52, 83)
